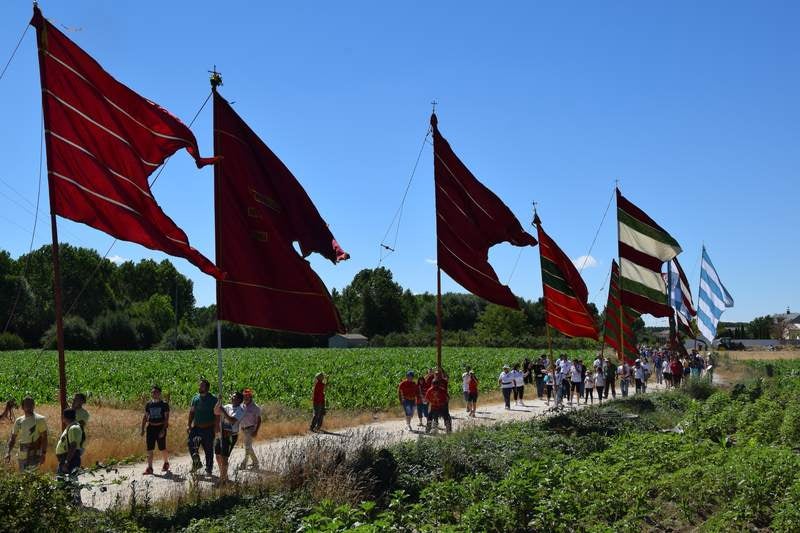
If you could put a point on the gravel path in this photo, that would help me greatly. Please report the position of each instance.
(116, 486)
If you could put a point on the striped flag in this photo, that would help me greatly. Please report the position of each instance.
(566, 305)
(713, 299)
(644, 246)
(680, 297)
(619, 321)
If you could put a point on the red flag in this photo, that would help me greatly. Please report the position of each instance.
(470, 219)
(261, 211)
(565, 294)
(103, 141)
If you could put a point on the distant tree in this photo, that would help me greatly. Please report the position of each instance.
(77, 335)
(761, 327)
(373, 303)
(114, 330)
(158, 309)
(500, 322)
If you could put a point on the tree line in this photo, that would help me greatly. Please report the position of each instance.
(149, 304)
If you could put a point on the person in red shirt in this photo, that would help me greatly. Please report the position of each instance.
(472, 393)
(422, 403)
(438, 400)
(407, 392)
(677, 371)
(318, 399)
(428, 380)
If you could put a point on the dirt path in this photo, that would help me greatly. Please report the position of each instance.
(115, 487)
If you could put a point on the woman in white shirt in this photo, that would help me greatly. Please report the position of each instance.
(599, 384)
(506, 381)
(576, 380)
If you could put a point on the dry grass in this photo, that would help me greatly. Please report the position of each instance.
(113, 433)
(763, 355)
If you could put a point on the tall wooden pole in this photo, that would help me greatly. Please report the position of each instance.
(699, 281)
(57, 295)
(216, 81)
(62, 373)
(673, 326)
(621, 343)
(438, 318)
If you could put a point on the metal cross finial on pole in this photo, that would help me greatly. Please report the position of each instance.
(433, 104)
(215, 78)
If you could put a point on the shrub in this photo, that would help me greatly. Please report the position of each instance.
(10, 341)
(233, 335)
(147, 333)
(699, 388)
(114, 331)
(77, 335)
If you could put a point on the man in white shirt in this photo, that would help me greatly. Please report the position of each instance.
(248, 427)
(230, 414)
(506, 381)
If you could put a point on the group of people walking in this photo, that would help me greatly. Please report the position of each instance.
(428, 395)
(215, 428)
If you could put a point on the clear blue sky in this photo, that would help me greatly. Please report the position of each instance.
(693, 106)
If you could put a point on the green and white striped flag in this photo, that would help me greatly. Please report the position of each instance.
(644, 247)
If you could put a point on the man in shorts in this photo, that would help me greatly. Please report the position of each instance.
(154, 427)
(407, 393)
(438, 400)
(30, 432)
(249, 426)
(231, 414)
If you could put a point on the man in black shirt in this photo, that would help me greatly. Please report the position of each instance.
(154, 424)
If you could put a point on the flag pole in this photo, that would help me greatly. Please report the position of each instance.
(438, 268)
(699, 281)
(216, 80)
(41, 42)
(673, 334)
(62, 374)
(438, 317)
(537, 224)
(621, 342)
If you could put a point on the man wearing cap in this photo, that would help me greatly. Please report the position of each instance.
(30, 432)
(407, 392)
(250, 424)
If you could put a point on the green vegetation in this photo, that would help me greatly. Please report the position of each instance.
(665, 462)
(358, 378)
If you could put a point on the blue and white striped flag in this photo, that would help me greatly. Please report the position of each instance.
(712, 300)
